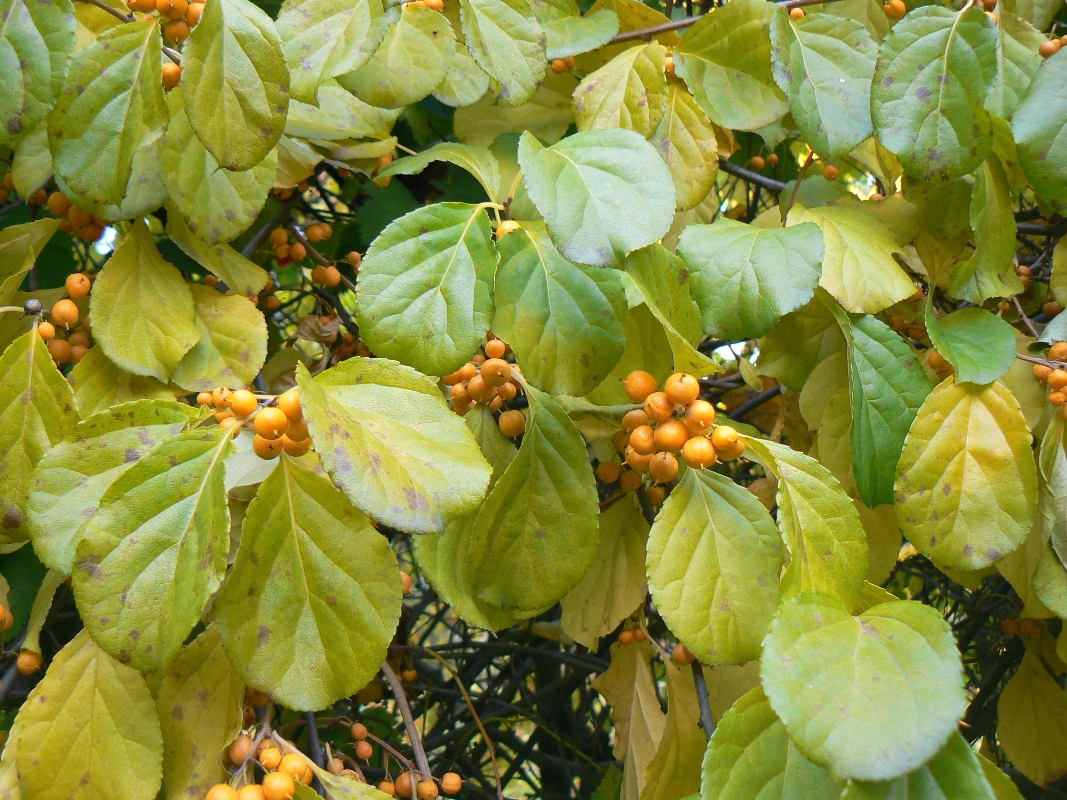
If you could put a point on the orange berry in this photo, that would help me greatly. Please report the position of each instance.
(608, 471)
(221, 791)
(193, 13)
(451, 783)
(355, 258)
(512, 423)
(626, 637)
(699, 453)
(757, 163)
(271, 422)
(796, 13)
(1058, 351)
(630, 480)
(1049, 48)
(388, 787)
(77, 353)
(559, 66)
(1029, 628)
(405, 583)
(467, 371)
(699, 416)
(1057, 398)
(1010, 626)
(640, 635)
(830, 172)
(221, 395)
(46, 329)
(682, 388)
(403, 784)
(639, 385)
(507, 392)
(506, 227)
(28, 662)
(670, 436)
(58, 204)
(681, 655)
(663, 467)
(772, 159)
(1057, 379)
(643, 440)
(724, 437)
(243, 403)
(895, 9)
(731, 453)
(1041, 372)
(289, 403)
(293, 764)
(281, 253)
(177, 30)
(359, 731)
(172, 74)
(278, 786)
(496, 372)
(658, 407)
(78, 338)
(479, 390)
(251, 791)
(297, 251)
(295, 447)
(144, 6)
(1052, 308)
(279, 236)
(620, 440)
(297, 430)
(80, 217)
(267, 448)
(636, 461)
(7, 619)
(634, 419)
(427, 790)
(78, 285)
(240, 749)
(364, 751)
(271, 758)
(59, 349)
(204, 399)
(656, 495)
(495, 348)
(65, 313)
(331, 276)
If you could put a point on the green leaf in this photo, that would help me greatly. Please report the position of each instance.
(216, 204)
(200, 703)
(725, 59)
(71, 478)
(546, 115)
(825, 64)
(425, 287)
(326, 38)
(588, 182)
(20, 245)
(967, 482)
(464, 83)
(674, 771)
(564, 321)
(390, 443)
(831, 677)
(1038, 125)
(36, 46)
(930, 84)
(745, 278)
(314, 598)
(820, 524)
(751, 755)
(858, 267)
(990, 271)
(410, 62)
(616, 584)
(714, 557)
(630, 91)
(800, 341)
(110, 107)
(1017, 62)
(886, 386)
(685, 139)
(536, 535)
(237, 83)
(980, 345)
(155, 550)
(953, 774)
(572, 35)
(232, 346)
(647, 348)
(236, 271)
(31, 165)
(508, 43)
(1032, 722)
(105, 707)
(341, 787)
(339, 116)
(142, 309)
(477, 160)
(99, 384)
(36, 411)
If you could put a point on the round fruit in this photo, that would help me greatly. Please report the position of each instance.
(294, 764)
(278, 786)
(936, 361)
(405, 582)
(634, 419)
(240, 749)
(731, 453)
(172, 75)
(451, 783)
(193, 13)
(507, 392)
(640, 635)
(46, 329)
(171, 9)
(59, 204)
(243, 403)
(608, 471)
(1041, 372)
(1057, 379)
(355, 258)
(895, 9)
(251, 791)
(724, 437)
(364, 751)
(177, 30)
(77, 353)
(670, 436)
(331, 276)
(656, 495)
(630, 481)
(7, 619)
(559, 66)
(626, 637)
(658, 407)
(388, 787)
(796, 13)
(1052, 308)
(699, 416)
(480, 390)
(28, 662)
(699, 453)
(1058, 351)
(267, 448)
(1049, 48)
(427, 790)
(65, 313)
(271, 758)
(1029, 628)
(682, 388)
(495, 348)
(78, 338)
(772, 159)
(221, 791)
(643, 440)
(620, 440)
(467, 371)
(60, 350)
(639, 385)
(289, 403)
(757, 163)
(681, 655)
(297, 430)
(220, 395)
(271, 422)
(637, 461)
(663, 467)
(1057, 398)
(496, 372)
(512, 424)
(829, 172)
(403, 784)
(359, 731)
(506, 227)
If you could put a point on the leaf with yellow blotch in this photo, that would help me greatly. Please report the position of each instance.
(201, 707)
(94, 729)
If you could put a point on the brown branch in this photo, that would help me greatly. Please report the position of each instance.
(678, 24)
(706, 720)
(770, 184)
(409, 720)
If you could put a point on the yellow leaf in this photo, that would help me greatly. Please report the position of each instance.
(674, 771)
(1032, 722)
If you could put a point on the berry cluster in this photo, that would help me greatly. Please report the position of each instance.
(561, 65)
(1055, 377)
(671, 422)
(433, 5)
(81, 223)
(1027, 628)
(282, 773)
(488, 379)
(180, 18)
(66, 345)
(278, 427)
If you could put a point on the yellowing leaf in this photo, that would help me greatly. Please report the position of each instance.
(19, 247)
(714, 557)
(966, 489)
(314, 597)
(236, 83)
(232, 346)
(201, 709)
(508, 43)
(99, 383)
(94, 729)
(391, 444)
(674, 771)
(111, 106)
(36, 411)
(831, 676)
(70, 479)
(142, 309)
(236, 271)
(630, 91)
(615, 585)
(155, 550)
(685, 138)
(546, 115)
(1032, 722)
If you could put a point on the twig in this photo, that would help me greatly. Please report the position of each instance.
(313, 740)
(678, 24)
(770, 184)
(706, 721)
(753, 403)
(409, 720)
(279, 216)
(1025, 319)
(796, 186)
(303, 239)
